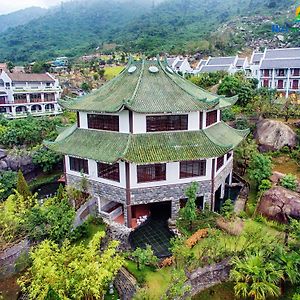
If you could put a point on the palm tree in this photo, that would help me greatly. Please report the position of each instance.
(289, 264)
(255, 277)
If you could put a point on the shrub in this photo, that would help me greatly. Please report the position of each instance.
(196, 237)
(8, 180)
(227, 209)
(144, 257)
(289, 181)
(265, 185)
(45, 158)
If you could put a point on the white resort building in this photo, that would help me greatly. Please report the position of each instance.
(143, 137)
(22, 94)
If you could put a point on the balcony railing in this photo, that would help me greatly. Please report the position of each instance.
(20, 101)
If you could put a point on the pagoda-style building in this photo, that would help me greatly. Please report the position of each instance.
(143, 137)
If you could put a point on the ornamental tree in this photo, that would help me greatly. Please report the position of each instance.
(260, 167)
(144, 257)
(189, 212)
(22, 186)
(72, 271)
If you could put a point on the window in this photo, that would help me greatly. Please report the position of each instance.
(79, 165)
(107, 171)
(20, 96)
(192, 168)
(147, 173)
(103, 122)
(220, 162)
(280, 72)
(296, 72)
(167, 123)
(229, 154)
(211, 117)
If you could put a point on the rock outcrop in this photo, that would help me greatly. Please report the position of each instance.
(277, 202)
(14, 162)
(273, 135)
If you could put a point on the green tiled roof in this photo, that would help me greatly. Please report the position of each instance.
(110, 147)
(145, 92)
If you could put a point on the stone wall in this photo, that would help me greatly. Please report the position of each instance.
(125, 284)
(118, 232)
(208, 276)
(9, 257)
(88, 208)
(109, 192)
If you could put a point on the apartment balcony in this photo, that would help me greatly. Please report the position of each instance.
(20, 101)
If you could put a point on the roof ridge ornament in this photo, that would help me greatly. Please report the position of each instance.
(153, 69)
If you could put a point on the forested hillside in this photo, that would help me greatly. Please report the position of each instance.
(20, 17)
(134, 25)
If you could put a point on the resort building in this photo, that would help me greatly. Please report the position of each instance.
(279, 69)
(143, 137)
(213, 64)
(179, 64)
(22, 94)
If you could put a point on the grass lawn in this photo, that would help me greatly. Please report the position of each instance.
(284, 164)
(156, 281)
(218, 292)
(111, 72)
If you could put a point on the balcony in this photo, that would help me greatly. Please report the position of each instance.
(111, 211)
(20, 101)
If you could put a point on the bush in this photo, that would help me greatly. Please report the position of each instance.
(8, 180)
(289, 181)
(265, 185)
(45, 158)
(227, 209)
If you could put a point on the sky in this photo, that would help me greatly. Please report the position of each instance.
(7, 6)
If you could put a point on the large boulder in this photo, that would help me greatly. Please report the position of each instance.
(273, 135)
(277, 202)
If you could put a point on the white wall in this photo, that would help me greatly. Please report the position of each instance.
(93, 173)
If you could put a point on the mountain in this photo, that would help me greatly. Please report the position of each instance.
(147, 26)
(20, 17)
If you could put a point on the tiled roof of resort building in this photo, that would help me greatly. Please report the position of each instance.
(147, 87)
(110, 147)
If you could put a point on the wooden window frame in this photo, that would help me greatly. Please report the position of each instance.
(79, 165)
(211, 117)
(192, 168)
(109, 171)
(103, 122)
(151, 173)
(166, 123)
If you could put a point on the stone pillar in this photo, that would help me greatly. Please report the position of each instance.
(222, 190)
(43, 108)
(207, 200)
(28, 98)
(230, 178)
(175, 207)
(43, 97)
(13, 110)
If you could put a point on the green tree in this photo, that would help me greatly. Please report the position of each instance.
(255, 277)
(72, 271)
(45, 158)
(227, 209)
(182, 254)
(189, 212)
(85, 86)
(40, 67)
(22, 187)
(8, 180)
(61, 193)
(289, 181)
(265, 185)
(243, 154)
(53, 220)
(144, 257)
(260, 167)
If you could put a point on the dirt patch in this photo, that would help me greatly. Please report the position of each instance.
(9, 288)
(232, 227)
